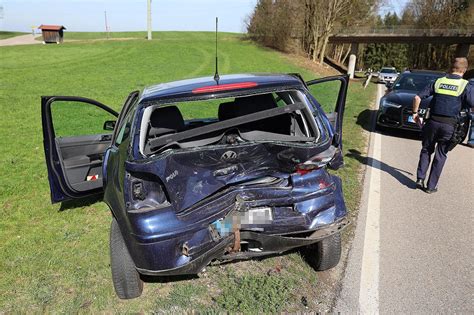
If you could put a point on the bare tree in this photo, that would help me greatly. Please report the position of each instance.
(275, 23)
(437, 14)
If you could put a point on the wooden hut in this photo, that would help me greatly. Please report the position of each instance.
(52, 33)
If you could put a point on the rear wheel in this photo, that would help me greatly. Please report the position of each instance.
(324, 254)
(126, 279)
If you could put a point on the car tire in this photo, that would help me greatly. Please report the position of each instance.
(125, 277)
(380, 127)
(324, 254)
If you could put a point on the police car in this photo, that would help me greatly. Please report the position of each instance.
(395, 108)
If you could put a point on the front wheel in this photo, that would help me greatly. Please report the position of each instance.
(126, 279)
(380, 128)
(324, 254)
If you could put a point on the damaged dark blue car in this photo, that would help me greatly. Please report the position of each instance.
(200, 170)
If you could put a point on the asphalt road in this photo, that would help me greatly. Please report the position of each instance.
(412, 252)
(20, 40)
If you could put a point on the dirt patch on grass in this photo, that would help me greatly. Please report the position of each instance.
(302, 61)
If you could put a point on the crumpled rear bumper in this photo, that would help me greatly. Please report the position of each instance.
(163, 242)
(270, 244)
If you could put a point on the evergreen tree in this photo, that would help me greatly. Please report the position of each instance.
(379, 55)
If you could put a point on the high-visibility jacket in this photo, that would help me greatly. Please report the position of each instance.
(447, 98)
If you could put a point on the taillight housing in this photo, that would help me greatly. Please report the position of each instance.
(303, 169)
(145, 191)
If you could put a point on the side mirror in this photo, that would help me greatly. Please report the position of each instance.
(109, 125)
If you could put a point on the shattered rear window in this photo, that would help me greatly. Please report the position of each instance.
(282, 116)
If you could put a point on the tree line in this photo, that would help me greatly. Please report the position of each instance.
(306, 25)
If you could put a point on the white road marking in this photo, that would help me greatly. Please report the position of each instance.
(369, 278)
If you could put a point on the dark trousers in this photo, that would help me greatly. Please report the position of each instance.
(435, 139)
(470, 140)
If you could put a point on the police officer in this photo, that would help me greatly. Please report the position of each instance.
(450, 94)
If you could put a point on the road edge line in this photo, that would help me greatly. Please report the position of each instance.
(369, 278)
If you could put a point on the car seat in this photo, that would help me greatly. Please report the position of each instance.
(253, 104)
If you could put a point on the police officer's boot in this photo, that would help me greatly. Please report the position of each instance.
(420, 184)
(431, 191)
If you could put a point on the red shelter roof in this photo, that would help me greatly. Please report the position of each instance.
(51, 27)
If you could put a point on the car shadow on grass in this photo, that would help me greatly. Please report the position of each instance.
(364, 119)
(215, 263)
(397, 173)
(167, 279)
(79, 203)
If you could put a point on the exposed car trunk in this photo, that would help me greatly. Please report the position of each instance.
(191, 175)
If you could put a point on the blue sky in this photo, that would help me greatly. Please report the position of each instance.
(126, 15)
(130, 15)
(392, 6)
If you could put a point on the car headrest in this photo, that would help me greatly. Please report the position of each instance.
(226, 111)
(255, 103)
(167, 119)
(246, 105)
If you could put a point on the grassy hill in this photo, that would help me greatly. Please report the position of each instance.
(58, 261)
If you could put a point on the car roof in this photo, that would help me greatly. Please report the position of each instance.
(427, 72)
(185, 88)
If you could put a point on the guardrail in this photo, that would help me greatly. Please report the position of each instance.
(465, 31)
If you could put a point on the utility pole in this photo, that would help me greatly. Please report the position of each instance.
(149, 19)
(106, 26)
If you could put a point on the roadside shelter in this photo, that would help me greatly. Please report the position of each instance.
(52, 33)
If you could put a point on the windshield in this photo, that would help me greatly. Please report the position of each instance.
(414, 82)
(388, 71)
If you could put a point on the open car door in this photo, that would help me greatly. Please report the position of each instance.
(76, 133)
(331, 93)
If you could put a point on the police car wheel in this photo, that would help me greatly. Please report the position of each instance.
(125, 277)
(324, 254)
(379, 127)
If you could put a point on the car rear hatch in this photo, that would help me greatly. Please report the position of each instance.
(252, 139)
(195, 175)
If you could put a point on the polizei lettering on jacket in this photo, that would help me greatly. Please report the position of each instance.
(450, 87)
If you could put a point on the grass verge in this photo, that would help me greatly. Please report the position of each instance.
(56, 260)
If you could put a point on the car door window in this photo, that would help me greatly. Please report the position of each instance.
(74, 119)
(326, 93)
(124, 130)
(130, 104)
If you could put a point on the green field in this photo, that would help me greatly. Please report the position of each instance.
(5, 34)
(57, 260)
